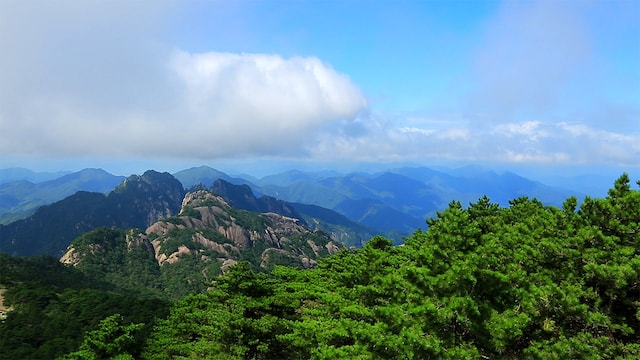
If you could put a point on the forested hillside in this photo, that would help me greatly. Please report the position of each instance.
(484, 281)
(138, 202)
(526, 281)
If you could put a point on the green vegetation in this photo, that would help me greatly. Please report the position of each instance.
(485, 281)
(191, 212)
(526, 281)
(112, 340)
(248, 219)
(52, 228)
(54, 305)
(121, 258)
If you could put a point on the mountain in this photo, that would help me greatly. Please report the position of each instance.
(393, 202)
(19, 199)
(401, 199)
(469, 183)
(386, 202)
(293, 176)
(242, 197)
(51, 306)
(137, 202)
(337, 226)
(204, 175)
(180, 254)
(17, 174)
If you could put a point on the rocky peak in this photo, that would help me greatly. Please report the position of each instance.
(201, 198)
(154, 194)
(211, 229)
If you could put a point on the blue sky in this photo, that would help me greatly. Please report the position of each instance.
(264, 85)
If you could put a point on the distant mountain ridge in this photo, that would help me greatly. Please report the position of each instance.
(17, 173)
(394, 202)
(336, 225)
(20, 198)
(138, 202)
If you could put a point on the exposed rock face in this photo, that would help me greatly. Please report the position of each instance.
(182, 254)
(212, 229)
(79, 251)
(71, 257)
(138, 202)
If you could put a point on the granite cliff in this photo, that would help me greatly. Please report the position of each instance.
(181, 254)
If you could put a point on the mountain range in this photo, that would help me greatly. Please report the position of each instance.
(138, 202)
(350, 208)
(398, 199)
(23, 191)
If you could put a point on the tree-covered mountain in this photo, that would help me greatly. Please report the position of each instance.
(131, 276)
(50, 306)
(206, 176)
(20, 198)
(179, 254)
(408, 196)
(141, 200)
(138, 202)
(393, 202)
(523, 281)
(242, 197)
(527, 280)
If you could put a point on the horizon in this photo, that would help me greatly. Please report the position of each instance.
(546, 88)
(593, 181)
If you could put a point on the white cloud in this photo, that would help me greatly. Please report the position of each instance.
(265, 95)
(221, 105)
(416, 130)
(93, 79)
(519, 142)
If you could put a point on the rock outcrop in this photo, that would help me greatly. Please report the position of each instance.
(212, 229)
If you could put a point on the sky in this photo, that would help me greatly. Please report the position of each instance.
(256, 86)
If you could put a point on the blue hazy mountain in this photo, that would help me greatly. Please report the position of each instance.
(396, 201)
(404, 198)
(137, 202)
(206, 176)
(15, 174)
(20, 198)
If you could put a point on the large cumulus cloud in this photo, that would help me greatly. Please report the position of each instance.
(94, 79)
(208, 105)
(258, 102)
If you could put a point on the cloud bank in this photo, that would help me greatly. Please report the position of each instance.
(95, 79)
(524, 142)
(99, 79)
(218, 105)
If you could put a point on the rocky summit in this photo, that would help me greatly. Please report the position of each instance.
(181, 254)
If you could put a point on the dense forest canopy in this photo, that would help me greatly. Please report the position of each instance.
(484, 281)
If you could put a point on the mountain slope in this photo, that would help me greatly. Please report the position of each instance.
(206, 176)
(180, 254)
(137, 202)
(336, 225)
(17, 174)
(403, 198)
(19, 199)
(242, 197)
